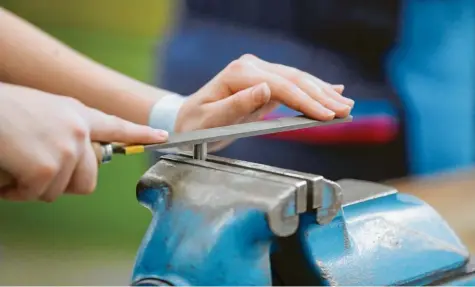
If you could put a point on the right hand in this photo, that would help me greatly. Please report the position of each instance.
(45, 143)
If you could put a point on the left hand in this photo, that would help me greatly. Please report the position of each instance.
(249, 88)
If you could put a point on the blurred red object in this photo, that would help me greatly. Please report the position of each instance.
(375, 129)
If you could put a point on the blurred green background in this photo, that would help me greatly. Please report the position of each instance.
(88, 240)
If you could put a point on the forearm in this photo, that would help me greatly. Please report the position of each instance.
(30, 57)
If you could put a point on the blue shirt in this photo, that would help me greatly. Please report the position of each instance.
(433, 71)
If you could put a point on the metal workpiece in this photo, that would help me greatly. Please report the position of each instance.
(318, 195)
(200, 138)
(243, 130)
(197, 140)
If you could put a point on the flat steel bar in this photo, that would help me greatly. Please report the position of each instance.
(241, 131)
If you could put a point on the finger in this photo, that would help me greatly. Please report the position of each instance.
(242, 75)
(232, 109)
(338, 88)
(319, 93)
(109, 128)
(320, 86)
(84, 178)
(58, 185)
(11, 194)
(332, 91)
(30, 192)
(262, 112)
(32, 186)
(60, 182)
(293, 74)
(297, 76)
(255, 116)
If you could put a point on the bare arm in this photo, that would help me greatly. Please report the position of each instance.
(30, 57)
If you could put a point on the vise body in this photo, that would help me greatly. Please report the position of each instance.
(218, 221)
(227, 222)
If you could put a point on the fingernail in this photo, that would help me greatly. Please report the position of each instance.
(261, 92)
(330, 114)
(161, 134)
(339, 105)
(341, 87)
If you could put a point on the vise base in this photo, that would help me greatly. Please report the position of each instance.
(227, 222)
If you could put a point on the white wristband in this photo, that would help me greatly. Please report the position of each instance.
(165, 111)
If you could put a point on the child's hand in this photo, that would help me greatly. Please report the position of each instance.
(45, 143)
(249, 88)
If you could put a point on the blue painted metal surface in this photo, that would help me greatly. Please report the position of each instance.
(181, 247)
(184, 248)
(393, 240)
(465, 280)
(379, 238)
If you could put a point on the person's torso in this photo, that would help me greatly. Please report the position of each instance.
(364, 30)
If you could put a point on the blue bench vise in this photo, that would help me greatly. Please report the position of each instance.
(227, 222)
(218, 221)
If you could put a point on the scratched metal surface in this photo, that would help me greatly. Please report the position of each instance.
(394, 239)
(318, 192)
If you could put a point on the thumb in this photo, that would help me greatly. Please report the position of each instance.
(107, 128)
(242, 104)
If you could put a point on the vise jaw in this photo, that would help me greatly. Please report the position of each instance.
(227, 222)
